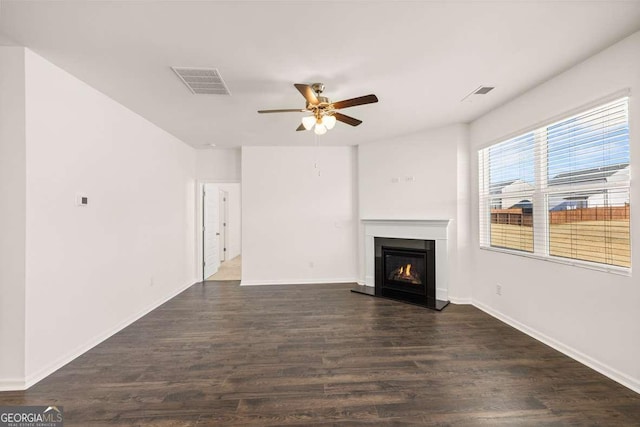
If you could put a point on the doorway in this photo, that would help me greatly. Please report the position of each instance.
(221, 232)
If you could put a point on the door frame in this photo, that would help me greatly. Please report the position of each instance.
(199, 249)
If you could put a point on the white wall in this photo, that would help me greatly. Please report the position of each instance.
(421, 176)
(12, 216)
(593, 316)
(92, 270)
(6, 41)
(218, 165)
(298, 227)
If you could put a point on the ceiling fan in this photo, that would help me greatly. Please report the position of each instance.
(324, 112)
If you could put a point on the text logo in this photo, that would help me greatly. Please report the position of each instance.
(31, 416)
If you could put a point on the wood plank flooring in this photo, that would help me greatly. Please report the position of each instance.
(221, 354)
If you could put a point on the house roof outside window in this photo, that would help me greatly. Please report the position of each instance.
(591, 176)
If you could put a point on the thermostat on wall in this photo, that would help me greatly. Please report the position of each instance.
(82, 200)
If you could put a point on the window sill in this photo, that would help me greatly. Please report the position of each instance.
(621, 271)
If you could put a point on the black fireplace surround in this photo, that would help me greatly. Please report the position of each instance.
(405, 270)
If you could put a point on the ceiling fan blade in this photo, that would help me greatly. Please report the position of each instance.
(361, 100)
(308, 93)
(301, 127)
(291, 110)
(347, 119)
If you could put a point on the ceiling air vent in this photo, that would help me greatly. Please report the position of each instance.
(202, 81)
(482, 90)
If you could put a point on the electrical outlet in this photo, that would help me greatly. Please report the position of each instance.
(311, 264)
(82, 199)
(151, 282)
(498, 289)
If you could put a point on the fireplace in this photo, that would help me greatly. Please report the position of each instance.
(415, 261)
(405, 269)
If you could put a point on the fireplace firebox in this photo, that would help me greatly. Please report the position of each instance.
(405, 269)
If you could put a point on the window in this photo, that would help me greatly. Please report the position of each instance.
(561, 191)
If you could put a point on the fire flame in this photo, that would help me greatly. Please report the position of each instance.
(405, 271)
(405, 274)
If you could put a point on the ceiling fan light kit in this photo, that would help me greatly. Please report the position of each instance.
(329, 121)
(322, 124)
(308, 122)
(324, 112)
(320, 129)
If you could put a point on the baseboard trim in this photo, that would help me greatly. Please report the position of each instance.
(12, 384)
(460, 301)
(608, 371)
(80, 350)
(296, 282)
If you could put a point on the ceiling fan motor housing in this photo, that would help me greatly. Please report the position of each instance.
(318, 87)
(323, 101)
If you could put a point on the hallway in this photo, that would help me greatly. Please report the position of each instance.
(229, 270)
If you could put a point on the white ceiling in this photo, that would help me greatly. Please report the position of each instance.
(419, 57)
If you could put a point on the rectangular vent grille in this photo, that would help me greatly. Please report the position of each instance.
(202, 81)
(483, 90)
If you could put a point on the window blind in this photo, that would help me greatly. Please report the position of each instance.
(561, 190)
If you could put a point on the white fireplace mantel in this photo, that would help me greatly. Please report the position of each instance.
(423, 229)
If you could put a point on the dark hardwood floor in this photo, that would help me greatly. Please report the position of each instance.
(221, 354)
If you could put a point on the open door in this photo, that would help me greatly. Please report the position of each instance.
(211, 230)
(224, 221)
